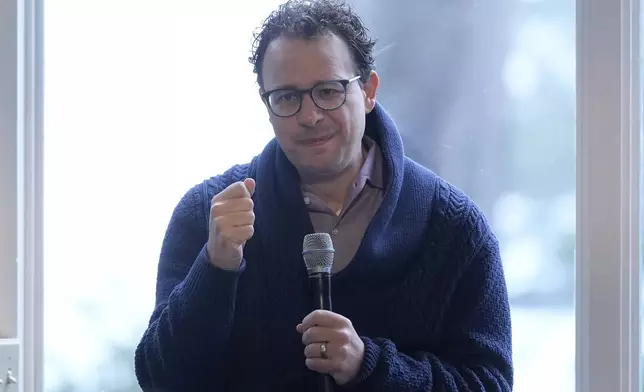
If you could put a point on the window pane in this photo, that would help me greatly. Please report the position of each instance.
(8, 174)
(485, 96)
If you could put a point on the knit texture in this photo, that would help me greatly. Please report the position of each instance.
(425, 291)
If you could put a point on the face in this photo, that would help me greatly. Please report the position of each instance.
(320, 143)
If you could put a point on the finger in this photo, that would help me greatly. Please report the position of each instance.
(241, 234)
(250, 185)
(233, 191)
(324, 318)
(235, 235)
(235, 219)
(321, 334)
(314, 350)
(223, 207)
(320, 365)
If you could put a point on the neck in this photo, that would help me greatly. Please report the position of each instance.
(333, 190)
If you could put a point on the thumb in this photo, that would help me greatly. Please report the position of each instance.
(250, 185)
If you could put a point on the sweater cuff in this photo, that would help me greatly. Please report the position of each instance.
(369, 362)
(206, 282)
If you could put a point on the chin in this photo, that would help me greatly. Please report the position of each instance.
(322, 170)
(325, 164)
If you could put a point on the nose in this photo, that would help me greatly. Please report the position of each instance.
(309, 114)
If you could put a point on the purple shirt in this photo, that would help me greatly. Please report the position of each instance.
(361, 204)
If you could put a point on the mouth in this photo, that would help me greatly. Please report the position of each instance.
(318, 141)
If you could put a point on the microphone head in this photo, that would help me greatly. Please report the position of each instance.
(317, 250)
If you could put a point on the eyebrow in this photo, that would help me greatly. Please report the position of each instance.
(316, 82)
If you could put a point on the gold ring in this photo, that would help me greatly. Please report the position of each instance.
(323, 351)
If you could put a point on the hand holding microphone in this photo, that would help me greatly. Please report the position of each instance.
(343, 348)
(332, 346)
(231, 224)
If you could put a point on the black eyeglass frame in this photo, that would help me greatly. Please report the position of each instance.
(344, 82)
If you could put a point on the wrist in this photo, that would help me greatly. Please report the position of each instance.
(370, 356)
(228, 265)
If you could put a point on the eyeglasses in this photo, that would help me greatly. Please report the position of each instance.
(329, 95)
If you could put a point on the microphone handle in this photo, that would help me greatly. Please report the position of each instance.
(321, 287)
(326, 383)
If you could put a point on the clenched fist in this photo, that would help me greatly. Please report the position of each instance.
(231, 224)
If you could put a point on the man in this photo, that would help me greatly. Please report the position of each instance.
(420, 301)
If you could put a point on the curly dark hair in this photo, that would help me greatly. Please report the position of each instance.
(310, 19)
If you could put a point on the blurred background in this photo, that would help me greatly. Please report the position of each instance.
(146, 98)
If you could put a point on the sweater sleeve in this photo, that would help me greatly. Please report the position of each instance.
(187, 335)
(475, 352)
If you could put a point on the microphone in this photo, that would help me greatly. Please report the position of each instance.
(317, 251)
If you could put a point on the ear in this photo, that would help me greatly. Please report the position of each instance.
(369, 88)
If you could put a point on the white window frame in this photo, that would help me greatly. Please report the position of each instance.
(608, 177)
(29, 119)
(608, 192)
